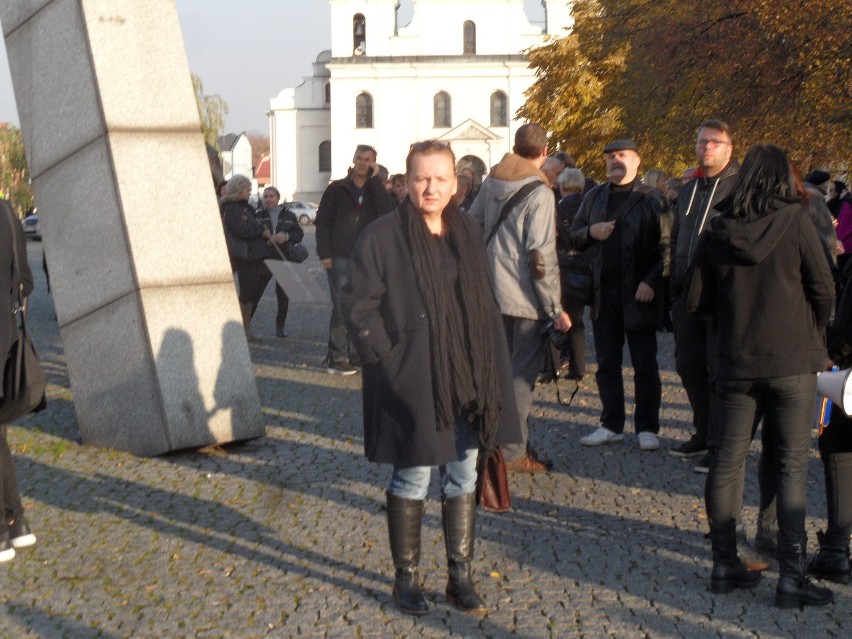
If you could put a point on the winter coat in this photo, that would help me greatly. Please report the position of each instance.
(286, 223)
(693, 209)
(389, 327)
(238, 216)
(11, 279)
(531, 225)
(645, 231)
(767, 286)
(341, 216)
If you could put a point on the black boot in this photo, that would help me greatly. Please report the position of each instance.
(794, 589)
(728, 571)
(459, 515)
(766, 538)
(405, 518)
(832, 560)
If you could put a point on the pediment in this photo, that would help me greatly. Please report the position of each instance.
(470, 130)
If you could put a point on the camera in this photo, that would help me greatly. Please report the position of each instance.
(557, 338)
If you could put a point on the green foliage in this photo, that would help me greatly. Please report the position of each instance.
(212, 110)
(14, 174)
(776, 70)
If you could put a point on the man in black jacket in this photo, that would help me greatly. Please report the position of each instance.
(693, 209)
(625, 226)
(346, 207)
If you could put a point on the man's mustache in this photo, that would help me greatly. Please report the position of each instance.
(618, 165)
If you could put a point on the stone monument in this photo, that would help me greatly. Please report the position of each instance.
(144, 293)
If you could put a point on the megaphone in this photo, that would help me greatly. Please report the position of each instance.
(837, 386)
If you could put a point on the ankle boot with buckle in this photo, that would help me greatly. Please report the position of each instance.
(831, 562)
(459, 516)
(794, 589)
(405, 518)
(728, 571)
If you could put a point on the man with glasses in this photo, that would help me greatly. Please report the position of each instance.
(346, 207)
(713, 180)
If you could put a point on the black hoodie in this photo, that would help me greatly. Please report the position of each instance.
(767, 286)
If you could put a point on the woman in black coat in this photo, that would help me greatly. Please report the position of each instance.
(761, 274)
(437, 381)
(247, 246)
(15, 279)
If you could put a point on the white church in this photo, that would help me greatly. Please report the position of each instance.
(455, 72)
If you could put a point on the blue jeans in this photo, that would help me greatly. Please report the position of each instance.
(338, 339)
(457, 477)
(787, 405)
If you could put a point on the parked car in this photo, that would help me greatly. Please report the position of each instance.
(31, 228)
(305, 212)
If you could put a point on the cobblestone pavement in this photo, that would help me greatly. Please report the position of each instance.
(285, 536)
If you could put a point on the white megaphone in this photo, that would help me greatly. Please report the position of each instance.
(837, 386)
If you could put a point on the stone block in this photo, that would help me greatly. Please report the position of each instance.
(57, 95)
(84, 234)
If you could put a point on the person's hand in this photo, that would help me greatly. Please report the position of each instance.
(826, 361)
(280, 237)
(326, 263)
(644, 293)
(265, 234)
(562, 323)
(601, 231)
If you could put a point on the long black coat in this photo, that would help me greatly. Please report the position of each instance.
(11, 279)
(388, 324)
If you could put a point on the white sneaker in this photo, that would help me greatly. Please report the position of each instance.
(648, 441)
(602, 436)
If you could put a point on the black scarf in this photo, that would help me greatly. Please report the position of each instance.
(463, 344)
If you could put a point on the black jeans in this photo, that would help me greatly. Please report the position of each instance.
(609, 343)
(835, 449)
(786, 404)
(12, 508)
(575, 348)
(339, 350)
(693, 355)
(283, 306)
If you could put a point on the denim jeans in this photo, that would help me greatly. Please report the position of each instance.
(787, 406)
(457, 477)
(338, 338)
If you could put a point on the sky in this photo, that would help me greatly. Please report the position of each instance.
(246, 51)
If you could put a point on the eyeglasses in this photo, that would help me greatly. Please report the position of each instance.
(711, 143)
(268, 195)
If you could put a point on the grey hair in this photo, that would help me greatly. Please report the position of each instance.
(652, 176)
(237, 184)
(572, 180)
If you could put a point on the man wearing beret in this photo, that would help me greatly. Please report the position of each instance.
(624, 226)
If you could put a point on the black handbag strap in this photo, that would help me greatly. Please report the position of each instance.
(16, 268)
(519, 195)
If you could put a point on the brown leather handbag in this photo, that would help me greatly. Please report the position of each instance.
(492, 483)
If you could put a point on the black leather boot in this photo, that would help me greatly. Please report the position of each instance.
(459, 515)
(405, 518)
(831, 562)
(794, 589)
(728, 571)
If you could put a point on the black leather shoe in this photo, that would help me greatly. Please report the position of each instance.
(798, 592)
(279, 331)
(830, 562)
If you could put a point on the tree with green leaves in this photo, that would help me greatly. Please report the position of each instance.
(212, 110)
(14, 173)
(778, 71)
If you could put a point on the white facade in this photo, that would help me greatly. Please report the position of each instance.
(455, 72)
(236, 158)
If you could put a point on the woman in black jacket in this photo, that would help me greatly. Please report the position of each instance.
(761, 274)
(437, 379)
(247, 246)
(15, 280)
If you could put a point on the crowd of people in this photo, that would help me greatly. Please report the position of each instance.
(741, 262)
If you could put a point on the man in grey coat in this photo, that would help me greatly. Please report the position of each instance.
(521, 255)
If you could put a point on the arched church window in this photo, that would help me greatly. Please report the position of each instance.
(359, 34)
(325, 156)
(469, 38)
(499, 109)
(364, 111)
(443, 115)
